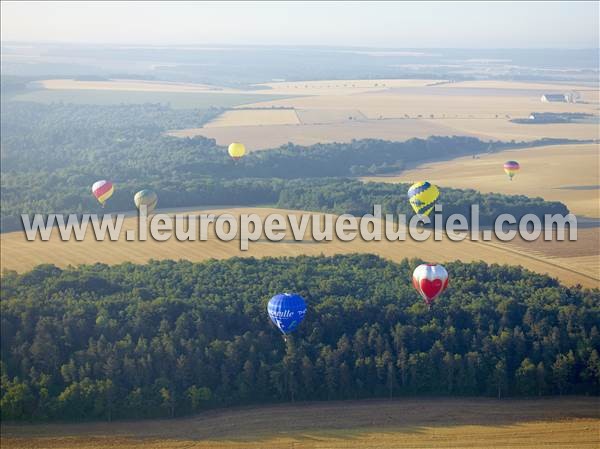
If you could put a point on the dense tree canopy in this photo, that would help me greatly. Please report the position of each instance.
(170, 338)
(354, 197)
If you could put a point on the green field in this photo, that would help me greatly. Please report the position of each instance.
(182, 100)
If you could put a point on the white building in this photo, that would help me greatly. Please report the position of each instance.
(554, 98)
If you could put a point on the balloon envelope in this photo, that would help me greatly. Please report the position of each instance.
(236, 150)
(422, 196)
(103, 190)
(286, 311)
(146, 198)
(511, 168)
(430, 280)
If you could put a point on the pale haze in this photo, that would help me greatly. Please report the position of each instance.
(383, 24)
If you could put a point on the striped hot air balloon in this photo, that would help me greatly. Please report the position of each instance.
(146, 198)
(422, 196)
(430, 280)
(103, 190)
(511, 168)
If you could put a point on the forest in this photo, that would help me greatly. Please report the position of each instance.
(51, 154)
(346, 196)
(171, 338)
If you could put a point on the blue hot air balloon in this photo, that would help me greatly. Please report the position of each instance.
(287, 311)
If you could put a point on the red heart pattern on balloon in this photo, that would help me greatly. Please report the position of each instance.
(430, 280)
(431, 288)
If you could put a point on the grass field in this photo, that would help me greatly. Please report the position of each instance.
(566, 423)
(21, 255)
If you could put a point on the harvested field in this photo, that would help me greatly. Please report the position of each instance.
(325, 116)
(271, 136)
(342, 110)
(497, 84)
(567, 173)
(482, 109)
(22, 255)
(127, 85)
(255, 117)
(490, 129)
(582, 255)
(437, 103)
(569, 423)
(342, 87)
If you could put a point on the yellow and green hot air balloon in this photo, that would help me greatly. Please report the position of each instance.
(422, 196)
(146, 198)
(236, 150)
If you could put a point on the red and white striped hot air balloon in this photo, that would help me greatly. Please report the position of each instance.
(103, 190)
(430, 280)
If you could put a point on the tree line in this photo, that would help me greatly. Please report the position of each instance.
(357, 198)
(51, 154)
(169, 338)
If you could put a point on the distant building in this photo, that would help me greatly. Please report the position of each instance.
(561, 98)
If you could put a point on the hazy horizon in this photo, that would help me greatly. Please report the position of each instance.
(393, 25)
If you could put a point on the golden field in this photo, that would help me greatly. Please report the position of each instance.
(129, 85)
(270, 136)
(330, 110)
(566, 173)
(343, 87)
(400, 109)
(277, 88)
(566, 423)
(123, 85)
(21, 255)
(342, 110)
(255, 117)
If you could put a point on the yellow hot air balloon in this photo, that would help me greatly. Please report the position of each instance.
(236, 150)
(422, 196)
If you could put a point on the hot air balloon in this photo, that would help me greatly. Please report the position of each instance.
(430, 280)
(103, 190)
(146, 198)
(422, 196)
(511, 168)
(286, 311)
(236, 150)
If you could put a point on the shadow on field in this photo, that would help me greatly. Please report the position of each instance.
(319, 421)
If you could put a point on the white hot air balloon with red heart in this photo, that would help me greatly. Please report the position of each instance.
(430, 280)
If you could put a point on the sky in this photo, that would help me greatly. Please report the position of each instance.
(368, 24)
